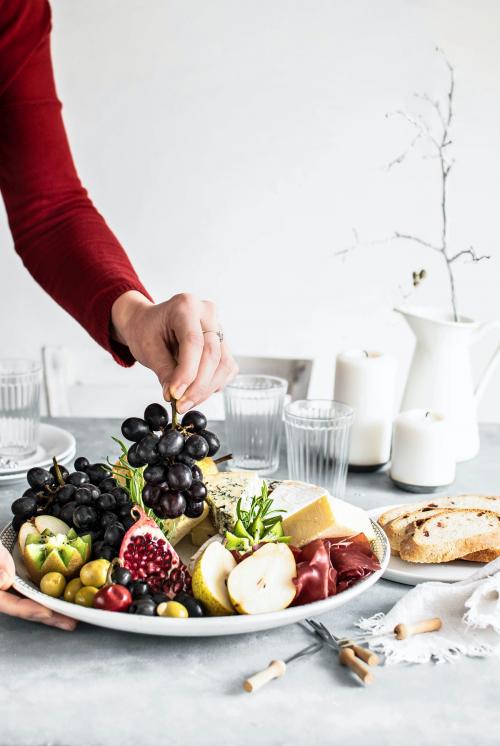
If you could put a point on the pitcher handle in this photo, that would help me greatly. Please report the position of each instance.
(495, 358)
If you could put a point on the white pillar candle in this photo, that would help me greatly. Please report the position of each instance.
(365, 380)
(423, 453)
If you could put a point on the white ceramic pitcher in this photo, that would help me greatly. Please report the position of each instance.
(440, 376)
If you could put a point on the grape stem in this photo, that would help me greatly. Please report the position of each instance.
(174, 413)
(58, 472)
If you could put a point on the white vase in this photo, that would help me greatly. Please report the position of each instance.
(440, 376)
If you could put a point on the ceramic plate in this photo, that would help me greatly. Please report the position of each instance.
(53, 441)
(210, 626)
(413, 573)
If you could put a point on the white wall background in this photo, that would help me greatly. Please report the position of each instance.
(232, 146)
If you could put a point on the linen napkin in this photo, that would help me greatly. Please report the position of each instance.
(469, 610)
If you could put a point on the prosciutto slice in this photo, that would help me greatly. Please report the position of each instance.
(328, 566)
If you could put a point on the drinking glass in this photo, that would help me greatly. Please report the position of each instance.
(253, 406)
(317, 434)
(20, 382)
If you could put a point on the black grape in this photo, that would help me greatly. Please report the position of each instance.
(212, 440)
(196, 420)
(179, 477)
(196, 447)
(156, 416)
(134, 429)
(170, 444)
(155, 473)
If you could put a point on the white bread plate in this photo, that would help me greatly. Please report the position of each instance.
(412, 573)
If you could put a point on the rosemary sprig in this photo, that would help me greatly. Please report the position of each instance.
(259, 523)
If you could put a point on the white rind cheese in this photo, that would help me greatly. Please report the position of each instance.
(224, 491)
(312, 513)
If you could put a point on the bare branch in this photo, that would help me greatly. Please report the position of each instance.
(468, 252)
(416, 239)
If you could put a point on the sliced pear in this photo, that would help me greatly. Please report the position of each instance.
(210, 579)
(27, 529)
(51, 524)
(263, 582)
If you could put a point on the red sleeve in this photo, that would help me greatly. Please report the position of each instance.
(61, 238)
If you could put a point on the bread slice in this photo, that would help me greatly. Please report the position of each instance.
(484, 555)
(458, 501)
(396, 528)
(450, 534)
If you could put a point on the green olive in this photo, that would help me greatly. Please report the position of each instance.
(85, 596)
(71, 590)
(172, 609)
(53, 584)
(95, 573)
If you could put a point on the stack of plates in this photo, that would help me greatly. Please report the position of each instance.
(52, 441)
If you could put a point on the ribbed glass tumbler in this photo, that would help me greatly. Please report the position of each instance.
(20, 382)
(253, 408)
(317, 435)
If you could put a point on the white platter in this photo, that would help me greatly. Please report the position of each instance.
(413, 573)
(52, 441)
(206, 627)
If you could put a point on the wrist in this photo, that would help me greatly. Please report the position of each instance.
(123, 311)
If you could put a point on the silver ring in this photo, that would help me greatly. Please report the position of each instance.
(219, 334)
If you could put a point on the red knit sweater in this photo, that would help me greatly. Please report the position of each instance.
(59, 235)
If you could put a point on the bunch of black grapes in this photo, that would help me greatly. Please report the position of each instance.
(88, 499)
(173, 480)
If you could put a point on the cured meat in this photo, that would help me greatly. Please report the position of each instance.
(326, 567)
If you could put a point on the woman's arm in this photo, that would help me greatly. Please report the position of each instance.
(59, 235)
(65, 243)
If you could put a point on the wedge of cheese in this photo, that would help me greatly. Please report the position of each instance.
(312, 513)
(177, 528)
(224, 491)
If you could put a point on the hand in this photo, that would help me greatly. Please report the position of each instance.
(23, 607)
(168, 338)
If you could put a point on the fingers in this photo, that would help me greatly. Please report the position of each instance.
(186, 321)
(202, 386)
(226, 371)
(7, 569)
(24, 608)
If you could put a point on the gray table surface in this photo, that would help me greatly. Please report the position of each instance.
(99, 687)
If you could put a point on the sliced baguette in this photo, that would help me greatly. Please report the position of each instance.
(396, 528)
(450, 534)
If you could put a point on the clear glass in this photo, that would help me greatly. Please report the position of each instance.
(317, 435)
(20, 383)
(253, 408)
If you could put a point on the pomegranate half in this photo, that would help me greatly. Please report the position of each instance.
(149, 556)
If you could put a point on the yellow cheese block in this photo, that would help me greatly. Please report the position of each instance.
(177, 528)
(310, 516)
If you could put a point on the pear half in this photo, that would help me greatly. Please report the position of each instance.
(263, 582)
(210, 579)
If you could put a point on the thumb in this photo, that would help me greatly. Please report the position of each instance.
(7, 569)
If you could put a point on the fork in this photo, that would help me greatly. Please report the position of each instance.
(347, 655)
(343, 642)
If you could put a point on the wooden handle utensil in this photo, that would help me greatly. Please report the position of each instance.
(366, 655)
(348, 658)
(402, 631)
(275, 670)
